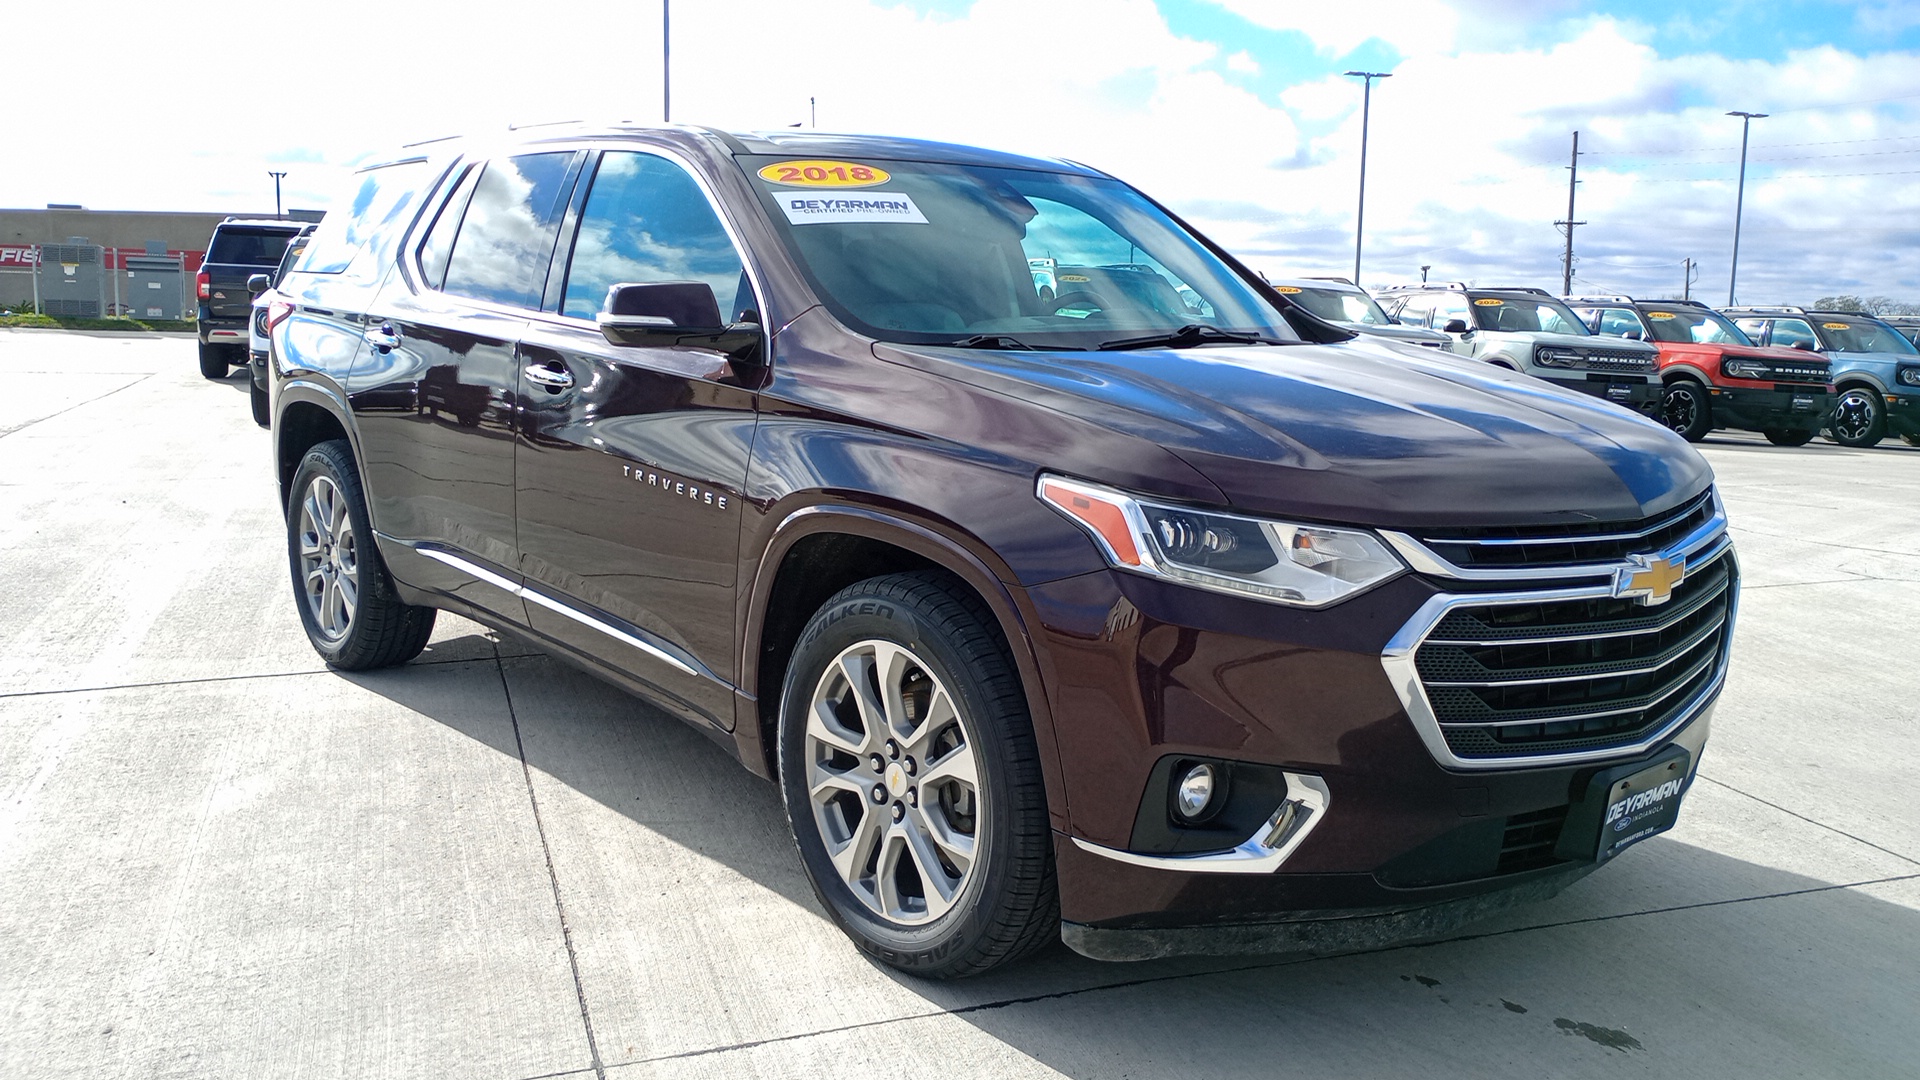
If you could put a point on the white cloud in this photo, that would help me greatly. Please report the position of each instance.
(1244, 63)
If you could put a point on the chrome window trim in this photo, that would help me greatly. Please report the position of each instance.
(660, 651)
(1262, 853)
(1397, 660)
(1425, 560)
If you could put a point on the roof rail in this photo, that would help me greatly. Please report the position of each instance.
(1441, 286)
(1324, 277)
(1515, 288)
(1600, 298)
(1773, 309)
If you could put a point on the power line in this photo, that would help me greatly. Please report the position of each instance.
(1770, 179)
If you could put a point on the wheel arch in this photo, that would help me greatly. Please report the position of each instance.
(1684, 372)
(818, 550)
(307, 415)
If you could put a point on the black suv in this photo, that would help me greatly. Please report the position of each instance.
(239, 249)
(1056, 610)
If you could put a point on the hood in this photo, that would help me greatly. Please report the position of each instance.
(1365, 433)
(1415, 334)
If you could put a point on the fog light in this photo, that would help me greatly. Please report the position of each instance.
(1194, 796)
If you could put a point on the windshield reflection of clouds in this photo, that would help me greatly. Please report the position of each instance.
(647, 221)
(507, 235)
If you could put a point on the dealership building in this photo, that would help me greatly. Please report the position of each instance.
(83, 262)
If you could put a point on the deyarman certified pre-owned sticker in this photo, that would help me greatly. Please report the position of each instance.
(1836, 326)
(1286, 288)
(827, 174)
(1488, 301)
(1659, 314)
(820, 208)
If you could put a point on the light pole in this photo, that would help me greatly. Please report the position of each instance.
(1366, 108)
(1423, 273)
(666, 62)
(276, 191)
(1740, 198)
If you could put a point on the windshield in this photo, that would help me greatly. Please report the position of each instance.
(1512, 313)
(1864, 335)
(941, 253)
(1692, 325)
(1336, 305)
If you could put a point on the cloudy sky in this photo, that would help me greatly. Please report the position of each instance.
(1232, 111)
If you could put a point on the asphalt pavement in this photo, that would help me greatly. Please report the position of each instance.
(220, 859)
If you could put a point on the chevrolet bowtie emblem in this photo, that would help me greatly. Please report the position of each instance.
(1648, 579)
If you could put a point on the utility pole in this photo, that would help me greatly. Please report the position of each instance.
(1566, 261)
(666, 62)
(276, 191)
(1366, 109)
(1740, 199)
(1423, 273)
(813, 112)
(1692, 273)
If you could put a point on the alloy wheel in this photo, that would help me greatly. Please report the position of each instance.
(1854, 416)
(893, 782)
(329, 558)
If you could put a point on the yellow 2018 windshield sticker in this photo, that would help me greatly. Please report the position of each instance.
(1836, 326)
(1488, 301)
(1286, 289)
(824, 174)
(1659, 314)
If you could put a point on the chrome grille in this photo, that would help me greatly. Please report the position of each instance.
(1522, 547)
(1521, 678)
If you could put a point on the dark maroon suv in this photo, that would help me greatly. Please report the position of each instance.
(1163, 619)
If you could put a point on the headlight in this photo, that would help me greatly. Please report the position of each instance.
(1550, 356)
(1739, 368)
(1297, 565)
(1910, 376)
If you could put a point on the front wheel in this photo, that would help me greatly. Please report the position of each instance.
(1858, 419)
(1789, 436)
(1687, 410)
(213, 361)
(353, 616)
(912, 781)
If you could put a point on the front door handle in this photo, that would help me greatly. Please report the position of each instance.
(551, 378)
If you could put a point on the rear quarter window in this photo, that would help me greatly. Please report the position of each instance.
(381, 202)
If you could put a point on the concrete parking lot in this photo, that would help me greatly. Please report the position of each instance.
(220, 859)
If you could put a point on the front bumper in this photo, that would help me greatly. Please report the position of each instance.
(1140, 671)
(1637, 393)
(1903, 414)
(1753, 409)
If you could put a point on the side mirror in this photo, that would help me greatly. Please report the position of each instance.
(1455, 326)
(669, 313)
(258, 283)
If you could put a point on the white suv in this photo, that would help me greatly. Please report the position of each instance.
(1529, 330)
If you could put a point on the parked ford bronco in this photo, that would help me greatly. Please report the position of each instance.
(1527, 330)
(239, 249)
(1348, 306)
(1052, 615)
(1714, 376)
(1875, 368)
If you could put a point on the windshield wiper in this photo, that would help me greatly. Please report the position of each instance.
(996, 341)
(1188, 336)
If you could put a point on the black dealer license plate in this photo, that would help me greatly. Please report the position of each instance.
(1624, 806)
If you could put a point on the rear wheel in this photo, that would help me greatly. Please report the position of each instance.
(347, 602)
(1687, 409)
(213, 361)
(1789, 436)
(912, 782)
(1858, 419)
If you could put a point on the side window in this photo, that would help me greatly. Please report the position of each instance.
(438, 246)
(1794, 334)
(383, 201)
(506, 238)
(1753, 328)
(646, 220)
(1448, 308)
(1415, 311)
(1619, 322)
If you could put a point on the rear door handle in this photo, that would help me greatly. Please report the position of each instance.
(385, 337)
(548, 377)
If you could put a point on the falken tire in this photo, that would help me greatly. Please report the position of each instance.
(1789, 436)
(1687, 409)
(347, 603)
(1858, 420)
(930, 635)
(213, 361)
